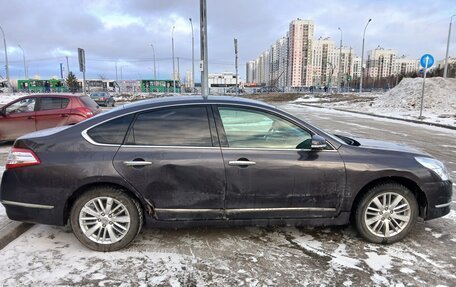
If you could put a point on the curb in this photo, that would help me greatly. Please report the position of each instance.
(385, 117)
(12, 231)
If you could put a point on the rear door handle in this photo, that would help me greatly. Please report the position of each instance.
(137, 163)
(241, 163)
(64, 116)
(30, 118)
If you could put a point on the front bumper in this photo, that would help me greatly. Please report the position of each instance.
(439, 196)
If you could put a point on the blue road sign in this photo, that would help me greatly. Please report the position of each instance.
(427, 61)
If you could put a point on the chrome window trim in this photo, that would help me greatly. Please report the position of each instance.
(91, 141)
(171, 146)
(29, 205)
(85, 135)
(274, 149)
(240, 210)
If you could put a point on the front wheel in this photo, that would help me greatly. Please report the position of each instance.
(386, 213)
(106, 219)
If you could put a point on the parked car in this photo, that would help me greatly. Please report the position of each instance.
(103, 99)
(182, 161)
(37, 112)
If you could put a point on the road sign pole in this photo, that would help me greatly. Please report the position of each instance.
(422, 91)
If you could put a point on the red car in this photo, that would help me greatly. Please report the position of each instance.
(37, 112)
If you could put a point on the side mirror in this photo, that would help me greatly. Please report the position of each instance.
(3, 112)
(318, 142)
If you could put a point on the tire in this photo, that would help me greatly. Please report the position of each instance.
(106, 232)
(375, 220)
(113, 104)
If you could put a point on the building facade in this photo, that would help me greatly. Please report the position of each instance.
(298, 60)
(381, 63)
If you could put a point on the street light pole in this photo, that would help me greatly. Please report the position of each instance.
(203, 48)
(174, 72)
(121, 72)
(6, 56)
(339, 84)
(116, 72)
(193, 56)
(23, 58)
(155, 70)
(362, 60)
(445, 69)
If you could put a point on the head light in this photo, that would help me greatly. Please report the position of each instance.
(434, 165)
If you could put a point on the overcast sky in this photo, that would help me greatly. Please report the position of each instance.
(123, 31)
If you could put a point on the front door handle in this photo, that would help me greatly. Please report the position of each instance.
(241, 163)
(137, 163)
(64, 116)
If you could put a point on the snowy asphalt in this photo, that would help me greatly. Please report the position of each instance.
(251, 256)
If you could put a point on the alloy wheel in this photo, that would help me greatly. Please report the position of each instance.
(387, 214)
(104, 220)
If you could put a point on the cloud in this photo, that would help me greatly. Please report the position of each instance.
(121, 31)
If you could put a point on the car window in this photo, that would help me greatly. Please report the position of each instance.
(22, 106)
(111, 132)
(53, 103)
(183, 126)
(88, 102)
(247, 128)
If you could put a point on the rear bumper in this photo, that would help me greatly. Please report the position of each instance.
(23, 202)
(33, 213)
(439, 196)
(101, 103)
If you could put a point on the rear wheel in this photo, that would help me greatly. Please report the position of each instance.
(106, 219)
(386, 213)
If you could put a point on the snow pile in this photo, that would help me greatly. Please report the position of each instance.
(5, 98)
(439, 96)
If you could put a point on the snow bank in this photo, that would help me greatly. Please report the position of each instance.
(6, 98)
(439, 96)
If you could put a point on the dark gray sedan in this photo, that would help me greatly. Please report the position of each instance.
(188, 161)
(103, 99)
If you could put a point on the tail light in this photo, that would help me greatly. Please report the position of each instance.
(85, 112)
(103, 99)
(19, 157)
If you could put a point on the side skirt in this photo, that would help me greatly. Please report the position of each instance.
(342, 219)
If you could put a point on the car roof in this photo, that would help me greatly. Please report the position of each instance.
(194, 100)
(57, 95)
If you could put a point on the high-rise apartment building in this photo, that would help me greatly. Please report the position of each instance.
(324, 62)
(300, 36)
(298, 60)
(406, 65)
(250, 71)
(381, 63)
(356, 71)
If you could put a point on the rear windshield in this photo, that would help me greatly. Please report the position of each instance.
(97, 95)
(88, 102)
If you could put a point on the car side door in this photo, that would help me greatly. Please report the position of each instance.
(52, 112)
(271, 170)
(172, 156)
(17, 119)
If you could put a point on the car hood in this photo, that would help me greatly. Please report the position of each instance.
(385, 145)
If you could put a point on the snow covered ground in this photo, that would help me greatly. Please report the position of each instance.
(403, 101)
